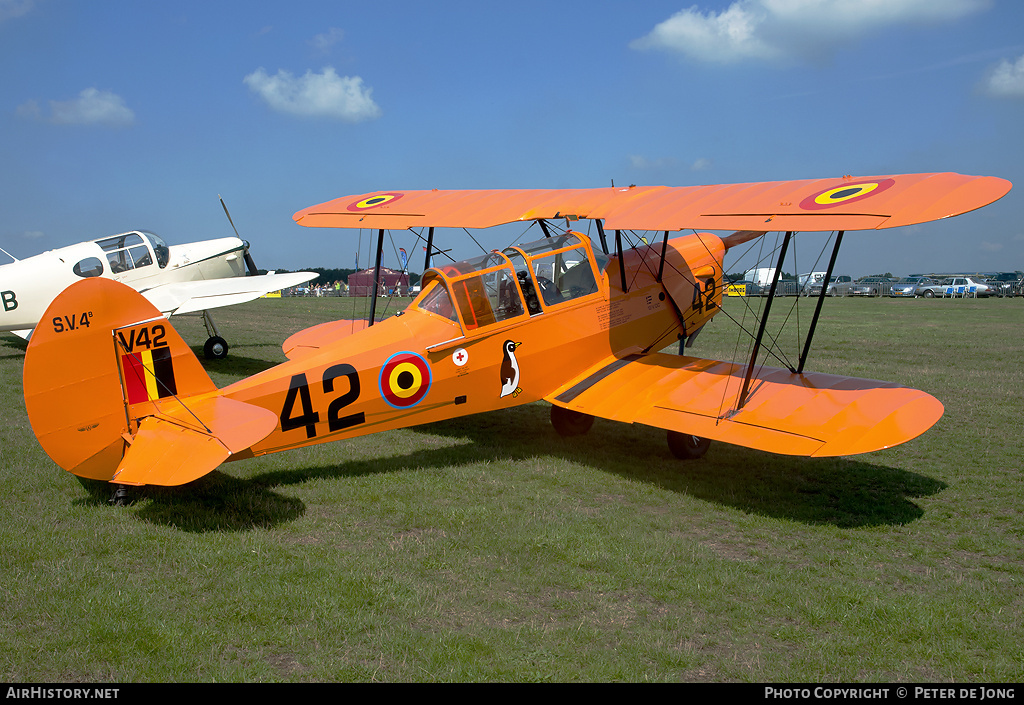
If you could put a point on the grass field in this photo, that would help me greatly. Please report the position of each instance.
(490, 549)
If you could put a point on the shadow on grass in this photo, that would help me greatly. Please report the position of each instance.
(837, 491)
(220, 501)
(234, 364)
(832, 491)
(215, 502)
(13, 345)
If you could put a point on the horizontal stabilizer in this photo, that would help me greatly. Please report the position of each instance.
(190, 438)
(164, 453)
(806, 414)
(192, 296)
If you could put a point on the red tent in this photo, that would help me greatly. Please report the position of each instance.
(391, 282)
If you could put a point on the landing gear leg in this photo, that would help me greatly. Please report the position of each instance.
(686, 446)
(120, 497)
(216, 347)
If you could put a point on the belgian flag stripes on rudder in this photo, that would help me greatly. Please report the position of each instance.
(148, 375)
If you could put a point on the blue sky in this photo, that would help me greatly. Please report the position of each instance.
(117, 115)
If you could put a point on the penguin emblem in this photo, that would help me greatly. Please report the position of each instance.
(510, 370)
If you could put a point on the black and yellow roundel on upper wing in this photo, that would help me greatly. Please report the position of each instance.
(374, 201)
(845, 194)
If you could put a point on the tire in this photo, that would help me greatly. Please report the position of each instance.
(570, 423)
(216, 348)
(928, 294)
(686, 446)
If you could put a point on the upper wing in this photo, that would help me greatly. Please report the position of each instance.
(189, 297)
(846, 203)
(806, 414)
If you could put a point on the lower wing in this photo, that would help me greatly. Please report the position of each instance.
(806, 414)
(193, 296)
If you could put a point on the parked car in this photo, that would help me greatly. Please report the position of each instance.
(1006, 283)
(871, 286)
(908, 286)
(838, 285)
(976, 286)
(957, 286)
(784, 287)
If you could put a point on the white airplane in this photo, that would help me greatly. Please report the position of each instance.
(177, 279)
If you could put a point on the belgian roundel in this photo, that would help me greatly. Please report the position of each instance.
(404, 380)
(845, 194)
(374, 201)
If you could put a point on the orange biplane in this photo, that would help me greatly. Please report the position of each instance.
(576, 323)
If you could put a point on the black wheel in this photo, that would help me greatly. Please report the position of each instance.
(216, 348)
(120, 498)
(570, 423)
(928, 293)
(686, 446)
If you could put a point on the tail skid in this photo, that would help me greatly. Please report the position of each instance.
(113, 393)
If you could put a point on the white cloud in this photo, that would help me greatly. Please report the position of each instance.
(724, 38)
(323, 94)
(785, 30)
(640, 162)
(323, 42)
(9, 9)
(643, 163)
(91, 107)
(1007, 79)
(29, 109)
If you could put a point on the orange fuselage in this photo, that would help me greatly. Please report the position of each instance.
(357, 385)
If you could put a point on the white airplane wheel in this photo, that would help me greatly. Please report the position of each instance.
(686, 446)
(216, 348)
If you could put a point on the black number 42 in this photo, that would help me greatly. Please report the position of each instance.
(305, 416)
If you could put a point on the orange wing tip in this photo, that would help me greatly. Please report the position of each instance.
(904, 423)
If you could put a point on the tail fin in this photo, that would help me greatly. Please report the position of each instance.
(113, 392)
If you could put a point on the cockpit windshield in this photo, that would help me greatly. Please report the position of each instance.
(484, 290)
(435, 299)
(160, 248)
(521, 280)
